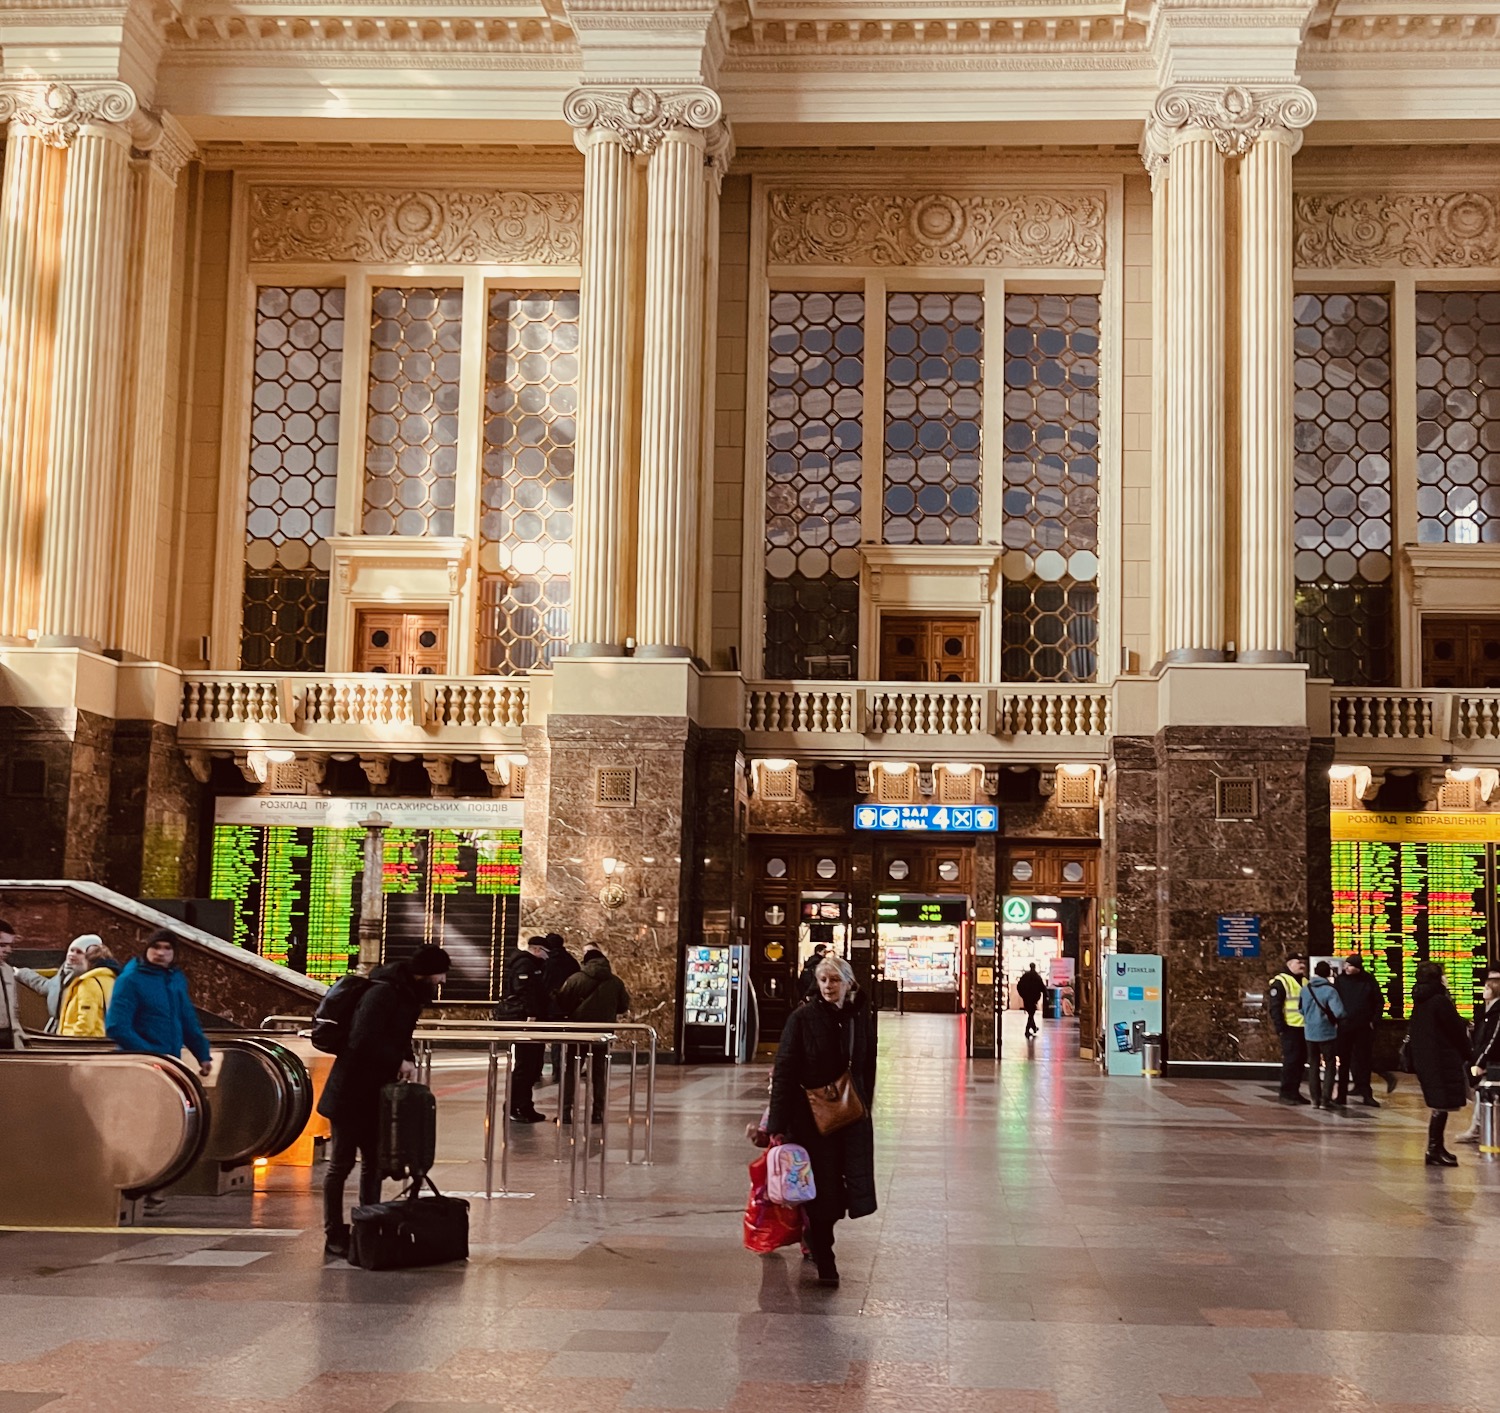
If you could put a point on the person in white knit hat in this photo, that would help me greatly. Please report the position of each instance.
(53, 982)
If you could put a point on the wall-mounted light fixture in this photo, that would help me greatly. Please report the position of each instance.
(612, 895)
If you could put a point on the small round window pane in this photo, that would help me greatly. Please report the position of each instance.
(827, 868)
(1021, 870)
(427, 638)
(1073, 872)
(776, 915)
(380, 638)
(899, 868)
(776, 868)
(948, 870)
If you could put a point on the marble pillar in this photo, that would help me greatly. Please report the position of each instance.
(78, 549)
(602, 477)
(1193, 400)
(671, 397)
(1266, 619)
(30, 212)
(153, 204)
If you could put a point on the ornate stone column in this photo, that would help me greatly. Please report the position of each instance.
(77, 573)
(153, 180)
(1186, 156)
(602, 476)
(30, 207)
(1266, 630)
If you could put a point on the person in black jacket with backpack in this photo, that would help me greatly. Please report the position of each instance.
(376, 1053)
(826, 1035)
(591, 996)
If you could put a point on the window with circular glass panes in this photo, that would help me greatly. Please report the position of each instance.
(934, 368)
(814, 462)
(1050, 597)
(776, 868)
(526, 478)
(1458, 417)
(1342, 486)
(293, 476)
(898, 869)
(411, 435)
(1021, 870)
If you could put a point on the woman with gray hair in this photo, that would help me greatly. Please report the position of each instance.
(829, 1035)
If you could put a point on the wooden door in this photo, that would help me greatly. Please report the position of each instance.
(926, 649)
(405, 643)
(1461, 652)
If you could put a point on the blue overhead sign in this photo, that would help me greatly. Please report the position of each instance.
(928, 819)
(1239, 935)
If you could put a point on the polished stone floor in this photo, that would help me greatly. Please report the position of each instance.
(1047, 1240)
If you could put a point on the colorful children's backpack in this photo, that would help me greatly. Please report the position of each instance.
(789, 1175)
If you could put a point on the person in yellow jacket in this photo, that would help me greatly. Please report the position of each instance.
(86, 999)
(1283, 997)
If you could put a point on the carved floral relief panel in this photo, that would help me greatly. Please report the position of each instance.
(1415, 230)
(402, 225)
(1026, 228)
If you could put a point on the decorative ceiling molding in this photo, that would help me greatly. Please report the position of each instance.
(290, 223)
(640, 117)
(1024, 228)
(57, 112)
(1235, 116)
(229, 32)
(1052, 35)
(1421, 230)
(397, 164)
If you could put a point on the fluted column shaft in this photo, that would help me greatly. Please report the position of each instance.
(1266, 629)
(1194, 578)
(30, 208)
(83, 435)
(601, 474)
(143, 421)
(672, 396)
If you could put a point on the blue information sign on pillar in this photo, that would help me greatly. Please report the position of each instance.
(1239, 935)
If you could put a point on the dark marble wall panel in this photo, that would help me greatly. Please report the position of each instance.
(63, 831)
(155, 806)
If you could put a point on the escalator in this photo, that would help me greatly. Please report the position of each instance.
(89, 1129)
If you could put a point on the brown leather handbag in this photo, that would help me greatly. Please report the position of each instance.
(837, 1105)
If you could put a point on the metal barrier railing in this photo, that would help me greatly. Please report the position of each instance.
(574, 1042)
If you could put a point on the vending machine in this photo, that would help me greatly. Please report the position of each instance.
(719, 1019)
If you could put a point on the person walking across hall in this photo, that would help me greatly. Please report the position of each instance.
(826, 1036)
(1363, 1003)
(591, 996)
(1031, 988)
(378, 1052)
(1322, 1013)
(1282, 997)
(523, 997)
(1485, 1052)
(1440, 1055)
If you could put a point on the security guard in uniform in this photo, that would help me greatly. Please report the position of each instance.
(1284, 995)
(523, 997)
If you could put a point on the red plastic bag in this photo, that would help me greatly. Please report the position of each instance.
(768, 1225)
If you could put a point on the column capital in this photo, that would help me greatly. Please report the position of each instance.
(57, 112)
(164, 146)
(639, 118)
(1233, 115)
(719, 152)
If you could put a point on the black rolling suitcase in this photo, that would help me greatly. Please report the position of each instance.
(408, 1131)
(412, 1231)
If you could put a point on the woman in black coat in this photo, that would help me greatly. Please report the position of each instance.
(1439, 1051)
(829, 1033)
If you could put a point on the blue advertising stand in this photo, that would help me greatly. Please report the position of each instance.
(1133, 1008)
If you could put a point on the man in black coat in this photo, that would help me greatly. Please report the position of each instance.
(807, 983)
(559, 965)
(377, 1053)
(1031, 988)
(1363, 1003)
(1484, 1053)
(523, 997)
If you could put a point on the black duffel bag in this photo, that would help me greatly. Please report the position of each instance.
(412, 1231)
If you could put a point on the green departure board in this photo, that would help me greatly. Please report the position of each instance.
(1397, 904)
(296, 895)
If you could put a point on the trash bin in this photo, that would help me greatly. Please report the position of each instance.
(1489, 1117)
(1152, 1062)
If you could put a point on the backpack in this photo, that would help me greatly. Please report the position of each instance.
(789, 1175)
(335, 1014)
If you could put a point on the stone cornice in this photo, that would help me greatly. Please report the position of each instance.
(228, 32)
(57, 112)
(640, 117)
(1234, 115)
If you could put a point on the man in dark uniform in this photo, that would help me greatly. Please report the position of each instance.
(523, 997)
(559, 966)
(1283, 1000)
(1360, 993)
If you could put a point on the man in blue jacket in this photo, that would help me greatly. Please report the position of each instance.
(151, 1012)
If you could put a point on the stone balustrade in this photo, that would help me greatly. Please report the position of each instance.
(1376, 725)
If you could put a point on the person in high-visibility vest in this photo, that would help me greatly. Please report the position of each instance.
(1283, 996)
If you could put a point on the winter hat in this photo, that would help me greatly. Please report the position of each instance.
(553, 941)
(590, 952)
(430, 961)
(537, 941)
(85, 941)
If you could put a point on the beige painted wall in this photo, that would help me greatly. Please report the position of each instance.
(1137, 617)
(730, 532)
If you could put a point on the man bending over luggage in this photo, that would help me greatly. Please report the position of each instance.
(377, 1053)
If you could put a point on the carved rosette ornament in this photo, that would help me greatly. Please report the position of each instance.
(1235, 116)
(57, 112)
(639, 118)
(1432, 230)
